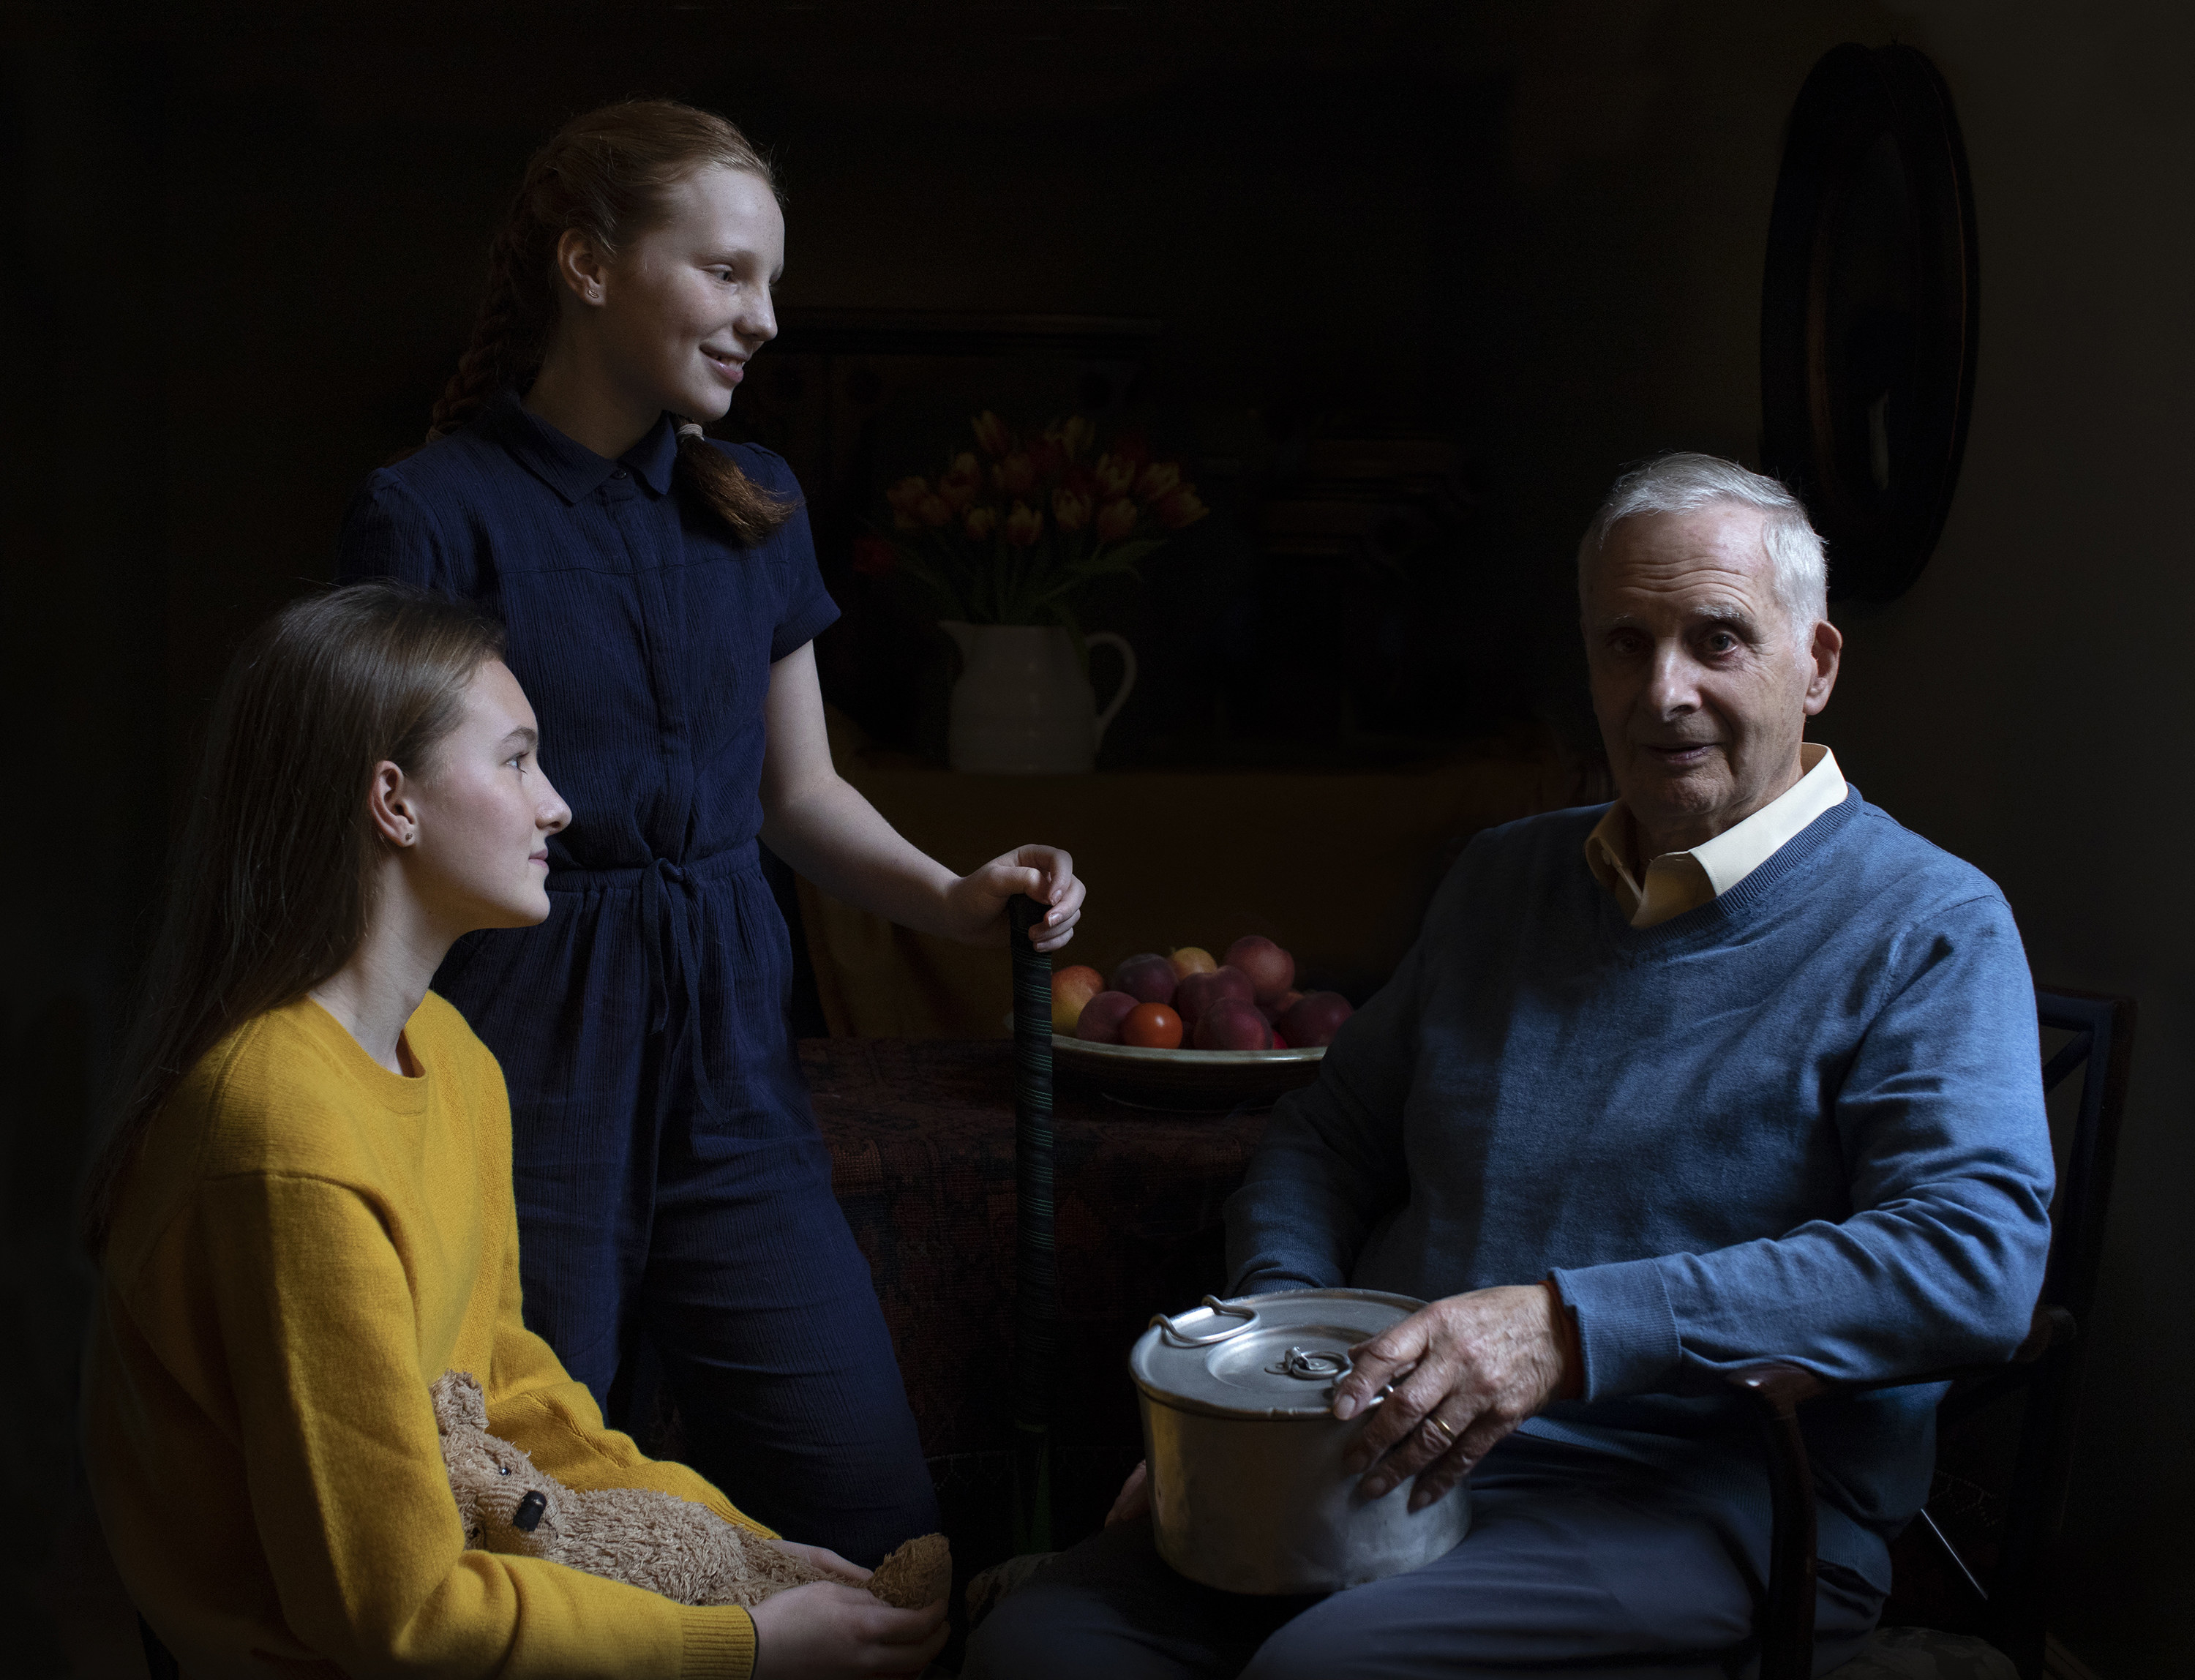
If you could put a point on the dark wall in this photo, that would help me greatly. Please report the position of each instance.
(1307, 216)
(82, 439)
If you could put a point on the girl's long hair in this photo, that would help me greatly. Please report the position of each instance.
(604, 174)
(272, 887)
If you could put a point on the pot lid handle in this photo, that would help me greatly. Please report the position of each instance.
(1248, 1314)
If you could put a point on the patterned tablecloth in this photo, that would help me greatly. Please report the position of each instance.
(922, 1136)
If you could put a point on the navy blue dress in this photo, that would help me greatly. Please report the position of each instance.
(669, 1179)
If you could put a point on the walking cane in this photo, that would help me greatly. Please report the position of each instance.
(1035, 1264)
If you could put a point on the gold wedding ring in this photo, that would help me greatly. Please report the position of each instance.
(1447, 1434)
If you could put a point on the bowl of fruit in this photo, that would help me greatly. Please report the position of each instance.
(1185, 1030)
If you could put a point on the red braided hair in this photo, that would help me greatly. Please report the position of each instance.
(604, 174)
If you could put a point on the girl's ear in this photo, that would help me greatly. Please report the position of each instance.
(581, 267)
(388, 799)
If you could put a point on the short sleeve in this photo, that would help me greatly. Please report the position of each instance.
(389, 531)
(806, 609)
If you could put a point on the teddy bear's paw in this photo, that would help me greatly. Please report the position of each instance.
(916, 1574)
(458, 1402)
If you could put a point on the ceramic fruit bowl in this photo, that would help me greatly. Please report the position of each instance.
(1185, 1079)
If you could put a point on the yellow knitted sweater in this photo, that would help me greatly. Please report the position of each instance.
(306, 1241)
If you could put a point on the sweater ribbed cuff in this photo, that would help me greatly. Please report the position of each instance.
(1627, 1329)
(718, 1643)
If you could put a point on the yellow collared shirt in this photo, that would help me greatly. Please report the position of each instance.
(1678, 881)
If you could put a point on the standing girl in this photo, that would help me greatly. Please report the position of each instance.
(660, 593)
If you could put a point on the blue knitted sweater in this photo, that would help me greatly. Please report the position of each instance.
(1802, 1122)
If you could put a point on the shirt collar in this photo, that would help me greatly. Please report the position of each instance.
(1744, 847)
(571, 470)
(1731, 855)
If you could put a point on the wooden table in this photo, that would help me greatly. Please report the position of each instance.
(922, 1140)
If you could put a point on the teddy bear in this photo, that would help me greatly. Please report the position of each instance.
(637, 1535)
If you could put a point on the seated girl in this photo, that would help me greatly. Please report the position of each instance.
(305, 1215)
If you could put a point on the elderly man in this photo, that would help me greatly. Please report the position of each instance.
(1733, 1069)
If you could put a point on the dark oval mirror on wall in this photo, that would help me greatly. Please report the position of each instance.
(1868, 315)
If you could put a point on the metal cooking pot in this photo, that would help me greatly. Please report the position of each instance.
(1248, 1489)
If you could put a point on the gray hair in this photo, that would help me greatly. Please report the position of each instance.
(1683, 482)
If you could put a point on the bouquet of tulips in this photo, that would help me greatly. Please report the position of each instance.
(1014, 535)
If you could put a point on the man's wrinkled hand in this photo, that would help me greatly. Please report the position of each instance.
(1472, 1368)
(1134, 1499)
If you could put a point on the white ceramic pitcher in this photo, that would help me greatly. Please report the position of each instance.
(1022, 705)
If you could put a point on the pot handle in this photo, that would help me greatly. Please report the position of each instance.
(1248, 1314)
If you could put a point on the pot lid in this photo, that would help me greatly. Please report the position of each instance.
(1276, 1355)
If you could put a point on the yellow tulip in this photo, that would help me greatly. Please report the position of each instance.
(1025, 525)
(1179, 507)
(1070, 510)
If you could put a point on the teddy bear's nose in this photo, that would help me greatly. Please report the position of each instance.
(528, 1517)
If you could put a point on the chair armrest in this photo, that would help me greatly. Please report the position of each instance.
(1778, 1391)
(1786, 1615)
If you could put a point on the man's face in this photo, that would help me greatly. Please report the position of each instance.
(1701, 682)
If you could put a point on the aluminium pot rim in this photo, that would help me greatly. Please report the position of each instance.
(1323, 1411)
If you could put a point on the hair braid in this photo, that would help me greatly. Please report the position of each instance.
(488, 364)
(604, 174)
(752, 511)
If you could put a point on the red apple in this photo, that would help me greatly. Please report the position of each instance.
(1233, 1023)
(1101, 1018)
(1071, 990)
(1189, 959)
(1147, 978)
(1271, 970)
(1279, 1007)
(1315, 1017)
(1199, 992)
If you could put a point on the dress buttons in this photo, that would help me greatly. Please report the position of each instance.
(620, 473)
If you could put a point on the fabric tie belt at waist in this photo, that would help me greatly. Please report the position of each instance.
(667, 932)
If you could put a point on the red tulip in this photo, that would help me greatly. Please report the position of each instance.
(1047, 457)
(1157, 479)
(1132, 445)
(933, 509)
(1015, 475)
(1073, 435)
(874, 558)
(1116, 520)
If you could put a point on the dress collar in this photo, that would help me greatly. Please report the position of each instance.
(571, 470)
